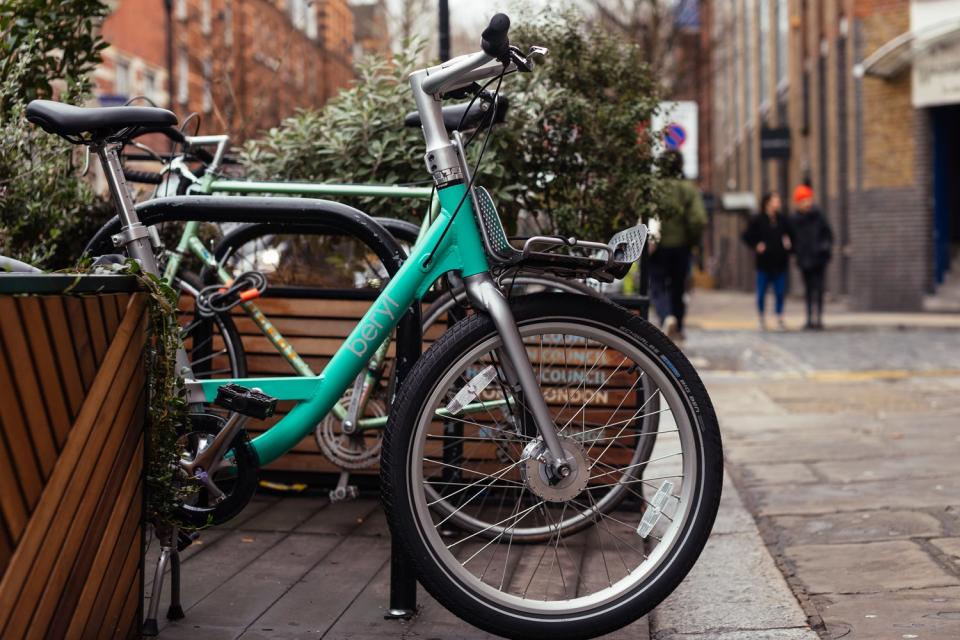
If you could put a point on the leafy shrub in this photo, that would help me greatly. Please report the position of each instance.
(574, 157)
(47, 210)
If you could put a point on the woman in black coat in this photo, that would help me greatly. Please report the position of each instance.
(768, 234)
(813, 245)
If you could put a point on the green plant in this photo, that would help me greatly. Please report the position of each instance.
(575, 156)
(167, 405)
(358, 136)
(47, 210)
(61, 41)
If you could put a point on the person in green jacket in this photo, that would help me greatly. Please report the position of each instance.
(679, 227)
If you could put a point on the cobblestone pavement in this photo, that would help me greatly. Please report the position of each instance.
(845, 448)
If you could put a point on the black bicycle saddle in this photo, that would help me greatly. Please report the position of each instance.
(83, 124)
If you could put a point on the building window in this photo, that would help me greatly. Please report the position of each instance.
(312, 30)
(783, 34)
(121, 84)
(207, 86)
(150, 85)
(228, 24)
(205, 19)
(183, 77)
(762, 51)
(747, 60)
(181, 10)
(298, 14)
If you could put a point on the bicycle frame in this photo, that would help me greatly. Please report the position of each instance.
(189, 241)
(460, 249)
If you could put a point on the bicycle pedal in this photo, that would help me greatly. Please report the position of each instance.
(342, 494)
(248, 402)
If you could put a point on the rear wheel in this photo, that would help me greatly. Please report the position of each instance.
(213, 344)
(589, 568)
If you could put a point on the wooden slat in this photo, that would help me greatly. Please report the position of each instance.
(122, 525)
(111, 313)
(82, 341)
(62, 344)
(78, 550)
(13, 507)
(19, 444)
(27, 386)
(98, 334)
(116, 366)
(121, 591)
(44, 360)
(112, 577)
(50, 569)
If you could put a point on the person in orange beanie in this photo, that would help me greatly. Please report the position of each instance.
(812, 246)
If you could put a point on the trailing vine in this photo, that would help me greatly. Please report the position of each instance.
(167, 403)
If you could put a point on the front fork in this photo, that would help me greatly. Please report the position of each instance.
(485, 295)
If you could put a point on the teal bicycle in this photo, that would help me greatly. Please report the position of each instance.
(349, 436)
(559, 372)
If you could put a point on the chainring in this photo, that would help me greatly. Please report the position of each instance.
(360, 450)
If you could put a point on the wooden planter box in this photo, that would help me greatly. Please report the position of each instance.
(72, 409)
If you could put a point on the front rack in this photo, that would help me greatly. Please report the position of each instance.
(539, 254)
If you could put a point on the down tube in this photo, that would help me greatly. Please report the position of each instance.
(352, 356)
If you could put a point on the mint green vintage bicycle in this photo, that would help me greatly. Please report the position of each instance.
(554, 451)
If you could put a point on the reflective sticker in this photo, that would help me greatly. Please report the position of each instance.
(652, 515)
(474, 388)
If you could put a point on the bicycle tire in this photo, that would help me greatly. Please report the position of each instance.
(436, 565)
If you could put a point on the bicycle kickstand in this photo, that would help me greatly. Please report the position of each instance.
(169, 554)
(344, 490)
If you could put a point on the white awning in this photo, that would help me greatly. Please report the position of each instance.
(896, 55)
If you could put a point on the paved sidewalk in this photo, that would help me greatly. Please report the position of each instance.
(736, 310)
(852, 476)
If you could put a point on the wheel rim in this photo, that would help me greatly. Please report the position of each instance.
(486, 565)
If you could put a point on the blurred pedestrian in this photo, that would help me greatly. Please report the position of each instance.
(812, 245)
(680, 225)
(768, 234)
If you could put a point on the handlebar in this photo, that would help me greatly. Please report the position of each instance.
(494, 40)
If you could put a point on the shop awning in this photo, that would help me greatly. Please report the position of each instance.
(896, 55)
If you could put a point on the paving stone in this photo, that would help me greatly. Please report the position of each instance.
(743, 400)
(855, 527)
(926, 614)
(794, 633)
(909, 493)
(951, 548)
(780, 473)
(888, 468)
(734, 585)
(867, 567)
(732, 516)
(837, 447)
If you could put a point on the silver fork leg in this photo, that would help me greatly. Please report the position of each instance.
(485, 295)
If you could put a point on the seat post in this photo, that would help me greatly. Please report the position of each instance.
(133, 235)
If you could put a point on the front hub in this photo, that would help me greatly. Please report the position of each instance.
(551, 484)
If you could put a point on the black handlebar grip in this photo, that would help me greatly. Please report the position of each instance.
(494, 40)
(145, 177)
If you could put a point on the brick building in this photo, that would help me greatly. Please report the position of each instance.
(868, 92)
(242, 65)
(371, 31)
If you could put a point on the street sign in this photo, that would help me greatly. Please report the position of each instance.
(774, 143)
(677, 124)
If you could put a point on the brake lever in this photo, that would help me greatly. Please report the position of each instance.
(525, 64)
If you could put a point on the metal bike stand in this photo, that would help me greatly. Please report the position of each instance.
(169, 554)
(403, 581)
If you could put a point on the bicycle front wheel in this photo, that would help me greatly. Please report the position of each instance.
(617, 535)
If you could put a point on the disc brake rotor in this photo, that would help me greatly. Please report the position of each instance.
(360, 450)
